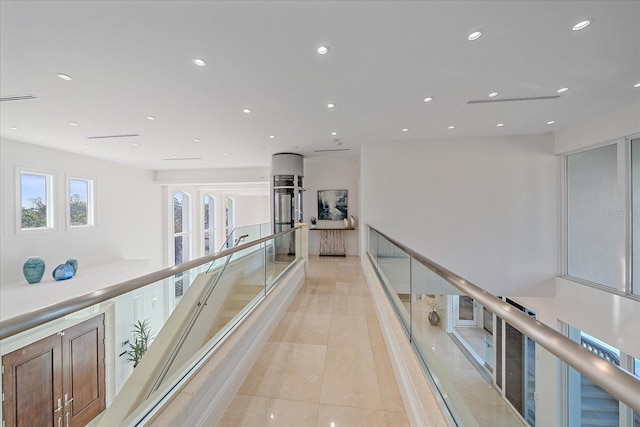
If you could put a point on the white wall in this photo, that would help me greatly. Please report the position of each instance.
(484, 208)
(595, 130)
(251, 210)
(332, 173)
(128, 213)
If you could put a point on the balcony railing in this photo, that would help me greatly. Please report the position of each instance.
(417, 288)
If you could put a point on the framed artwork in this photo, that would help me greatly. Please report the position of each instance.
(332, 204)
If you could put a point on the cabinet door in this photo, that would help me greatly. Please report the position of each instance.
(32, 385)
(83, 363)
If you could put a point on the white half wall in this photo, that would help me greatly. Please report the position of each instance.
(128, 213)
(332, 173)
(484, 208)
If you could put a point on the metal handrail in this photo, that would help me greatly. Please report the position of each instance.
(26, 321)
(619, 383)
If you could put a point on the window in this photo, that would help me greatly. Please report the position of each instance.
(181, 227)
(229, 219)
(594, 216)
(36, 201)
(81, 205)
(181, 243)
(209, 228)
(602, 221)
(635, 214)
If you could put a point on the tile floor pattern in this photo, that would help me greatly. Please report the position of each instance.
(326, 364)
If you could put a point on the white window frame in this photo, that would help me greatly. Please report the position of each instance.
(49, 194)
(185, 278)
(213, 206)
(186, 230)
(229, 225)
(91, 201)
(624, 190)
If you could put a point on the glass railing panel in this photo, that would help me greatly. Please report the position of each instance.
(373, 244)
(240, 286)
(448, 335)
(280, 254)
(394, 267)
(164, 313)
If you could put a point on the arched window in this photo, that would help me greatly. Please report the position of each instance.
(209, 225)
(181, 228)
(229, 219)
(181, 241)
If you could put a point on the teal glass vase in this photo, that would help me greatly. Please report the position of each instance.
(33, 269)
(63, 272)
(73, 263)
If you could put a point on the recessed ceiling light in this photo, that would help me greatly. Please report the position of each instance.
(323, 50)
(562, 90)
(331, 105)
(225, 154)
(73, 124)
(493, 94)
(334, 133)
(475, 35)
(580, 25)
(452, 127)
(151, 118)
(135, 144)
(174, 156)
(550, 122)
(199, 62)
(272, 137)
(428, 99)
(85, 146)
(246, 111)
(14, 128)
(64, 76)
(405, 130)
(500, 125)
(196, 140)
(133, 158)
(244, 163)
(636, 85)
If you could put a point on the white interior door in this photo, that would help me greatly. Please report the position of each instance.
(465, 309)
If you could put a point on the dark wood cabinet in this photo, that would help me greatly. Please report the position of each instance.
(57, 381)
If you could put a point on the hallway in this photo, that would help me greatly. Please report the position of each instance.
(326, 364)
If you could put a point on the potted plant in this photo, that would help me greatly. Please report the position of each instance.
(142, 336)
(433, 316)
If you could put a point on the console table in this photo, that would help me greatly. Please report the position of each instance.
(332, 241)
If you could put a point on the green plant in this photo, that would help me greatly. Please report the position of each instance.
(142, 335)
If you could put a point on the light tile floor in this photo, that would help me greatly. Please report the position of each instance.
(326, 364)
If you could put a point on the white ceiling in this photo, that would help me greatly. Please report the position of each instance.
(132, 59)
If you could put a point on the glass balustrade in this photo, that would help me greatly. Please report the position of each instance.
(484, 369)
(182, 316)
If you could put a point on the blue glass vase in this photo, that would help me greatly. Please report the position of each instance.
(63, 272)
(73, 263)
(33, 269)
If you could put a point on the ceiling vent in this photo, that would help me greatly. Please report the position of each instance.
(331, 150)
(113, 136)
(531, 98)
(18, 98)
(184, 158)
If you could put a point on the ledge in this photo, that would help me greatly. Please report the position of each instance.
(21, 297)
